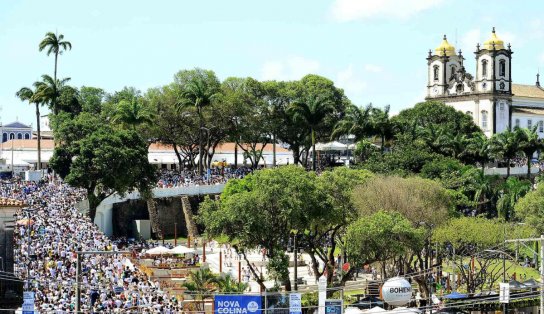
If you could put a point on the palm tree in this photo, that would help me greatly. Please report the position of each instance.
(227, 284)
(529, 143)
(311, 111)
(356, 123)
(381, 124)
(50, 89)
(506, 146)
(33, 97)
(132, 113)
(199, 94)
(512, 190)
(202, 283)
(478, 149)
(54, 44)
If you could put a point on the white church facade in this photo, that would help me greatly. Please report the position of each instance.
(490, 97)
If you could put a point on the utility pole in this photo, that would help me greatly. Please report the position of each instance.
(541, 240)
(296, 260)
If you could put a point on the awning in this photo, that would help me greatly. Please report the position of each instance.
(158, 250)
(180, 249)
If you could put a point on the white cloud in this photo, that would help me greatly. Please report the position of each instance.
(373, 68)
(292, 68)
(348, 80)
(349, 10)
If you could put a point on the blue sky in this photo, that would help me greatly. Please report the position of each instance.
(375, 50)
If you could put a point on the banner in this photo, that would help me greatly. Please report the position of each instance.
(237, 304)
(295, 303)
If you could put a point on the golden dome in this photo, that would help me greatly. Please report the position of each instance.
(450, 50)
(499, 44)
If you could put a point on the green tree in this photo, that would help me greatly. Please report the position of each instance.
(56, 45)
(104, 161)
(529, 143)
(32, 96)
(132, 114)
(513, 189)
(311, 112)
(199, 88)
(381, 237)
(227, 284)
(477, 149)
(356, 122)
(505, 146)
(530, 208)
(382, 125)
(201, 283)
(50, 89)
(262, 209)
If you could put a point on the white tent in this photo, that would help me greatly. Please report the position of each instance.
(158, 250)
(375, 309)
(330, 146)
(180, 249)
(405, 310)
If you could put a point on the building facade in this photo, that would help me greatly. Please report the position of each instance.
(15, 130)
(489, 96)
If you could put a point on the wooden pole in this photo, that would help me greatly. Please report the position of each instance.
(220, 261)
(204, 251)
(175, 234)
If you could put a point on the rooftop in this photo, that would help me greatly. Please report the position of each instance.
(16, 125)
(531, 91)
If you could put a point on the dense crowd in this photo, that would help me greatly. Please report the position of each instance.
(45, 252)
(182, 178)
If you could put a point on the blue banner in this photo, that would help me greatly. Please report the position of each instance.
(238, 304)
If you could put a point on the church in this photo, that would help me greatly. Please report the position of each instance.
(489, 96)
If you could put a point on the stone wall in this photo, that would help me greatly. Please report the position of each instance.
(170, 212)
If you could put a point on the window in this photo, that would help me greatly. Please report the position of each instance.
(484, 119)
(517, 123)
(435, 72)
(541, 126)
(452, 74)
(27, 136)
(502, 68)
(19, 136)
(484, 68)
(12, 136)
(501, 106)
(4, 137)
(529, 123)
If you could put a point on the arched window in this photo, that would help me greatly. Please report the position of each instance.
(517, 123)
(19, 136)
(4, 137)
(501, 106)
(484, 119)
(435, 72)
(12, 136)
(502, 67)
(541, 126)
(529, 123)
(452, 74)
(484, 68)
(27, 136)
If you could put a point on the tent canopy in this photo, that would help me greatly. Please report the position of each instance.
(158, 250)
(180, 249)
(330, 146)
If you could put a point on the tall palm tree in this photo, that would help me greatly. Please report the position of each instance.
(311, 111)
(33, 97)
(381, 124)
(356, 123)
(478, 149)
(50, 89)
(529, 143)
(132, 113)
(199, 94)
(512, 190)
(55, 44)
(506, 146)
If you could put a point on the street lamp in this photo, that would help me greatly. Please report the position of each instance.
(292, 247)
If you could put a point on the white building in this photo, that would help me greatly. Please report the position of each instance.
(490, 97)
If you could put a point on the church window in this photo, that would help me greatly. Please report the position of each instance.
(484, 68)
(460, 88)
(541, 126)
(484, 119)
(502, 68)
(529, 123)
(517, 123)
(452, 68)
(501, 106)
(435, 72)
(27, 136)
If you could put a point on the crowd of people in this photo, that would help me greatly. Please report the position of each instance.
(50, 230)
(182, 178)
